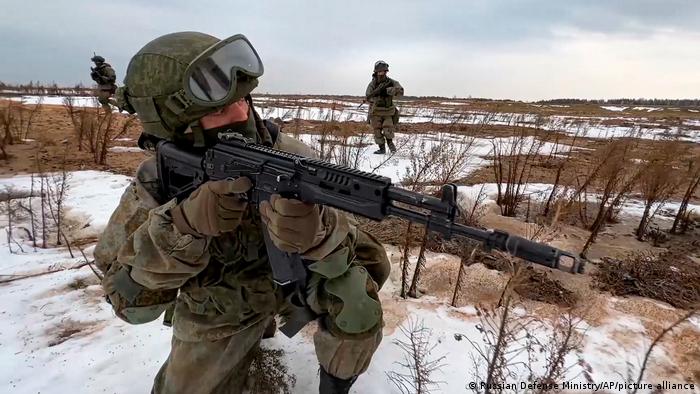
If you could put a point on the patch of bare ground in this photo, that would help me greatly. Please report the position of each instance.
(69, 329)
(394, 312)
(269, 373)
(684, 347)
(53, 142)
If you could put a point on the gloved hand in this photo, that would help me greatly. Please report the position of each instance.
(215, 207)
(294, 226)
(383, 92)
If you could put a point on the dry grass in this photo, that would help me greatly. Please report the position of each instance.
(70, 329)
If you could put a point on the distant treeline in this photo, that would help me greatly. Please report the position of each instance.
(628, 101)
(40, 88)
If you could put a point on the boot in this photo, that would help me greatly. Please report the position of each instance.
(381, 150)
(391, 145)
(329, 384)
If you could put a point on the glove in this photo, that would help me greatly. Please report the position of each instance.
(215, 207)
(294, 226)
(382, 92)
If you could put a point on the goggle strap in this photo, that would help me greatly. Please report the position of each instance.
(197, 134)
(178, 102)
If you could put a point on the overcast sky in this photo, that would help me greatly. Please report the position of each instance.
(521, 49)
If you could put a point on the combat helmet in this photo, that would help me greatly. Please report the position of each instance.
(381, 65)
(97, 59)
(176, 79)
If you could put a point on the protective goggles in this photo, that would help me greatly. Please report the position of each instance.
(210, 79)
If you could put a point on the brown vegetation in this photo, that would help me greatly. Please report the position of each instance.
(671, 277)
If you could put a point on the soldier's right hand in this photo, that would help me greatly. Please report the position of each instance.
(215, 207)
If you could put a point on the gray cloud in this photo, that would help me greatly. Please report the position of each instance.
(435, 48)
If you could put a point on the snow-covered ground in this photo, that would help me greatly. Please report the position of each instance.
(125, 149)
(613, 108)
(58, 335)
(78, 101)
(396, 166)
(592, 127)
(447, 113)
(632, 207)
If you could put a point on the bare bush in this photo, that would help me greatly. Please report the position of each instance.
(96, 128)
(505, 337)
(512, 160)
(418, 366)
(11, 213)
(463, 262)
(692, 182)
(25, 118)
(17, 121)
(562, 163)
(618, 175)
(658, 181)
(447, 160)
(567, 337)
(472, 207)
(418, 174)
(57, 186)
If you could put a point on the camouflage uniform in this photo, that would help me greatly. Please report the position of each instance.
(383, 114)
(222, 288)
(106, 79)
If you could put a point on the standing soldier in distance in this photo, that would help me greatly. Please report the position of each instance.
(383, 114)
(205, 256)
(106, 79)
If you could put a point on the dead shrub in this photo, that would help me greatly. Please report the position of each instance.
(532, 284)
(96, 129)
(418, 364)
(668, 277)
(537, 286)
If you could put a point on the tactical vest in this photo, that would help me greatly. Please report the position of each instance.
(383, 106)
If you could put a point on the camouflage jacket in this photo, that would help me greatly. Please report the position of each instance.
(224, 283)
(383, 104)
(105, 76)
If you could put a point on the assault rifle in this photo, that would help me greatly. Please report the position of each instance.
(318, 182)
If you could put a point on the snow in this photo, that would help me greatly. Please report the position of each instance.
(632, 207)
(78, 101)
(90, 194)
(56, 337)
(648, 109)
(613, 108)
(457, 103)
(125, 149)
(347, 111)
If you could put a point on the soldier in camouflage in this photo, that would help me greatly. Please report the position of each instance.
(383, 114)
(105, 77)
(204, 258)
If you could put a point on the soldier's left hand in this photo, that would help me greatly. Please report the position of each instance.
(294, 226)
